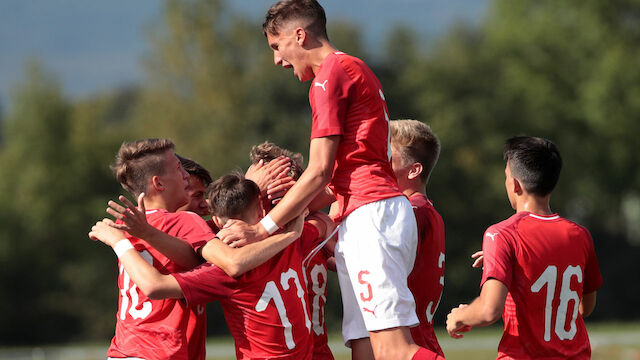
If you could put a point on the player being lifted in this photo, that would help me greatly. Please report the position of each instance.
(540, 270)
(266, 308)
(350, 149)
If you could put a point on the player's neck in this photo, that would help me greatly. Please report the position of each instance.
(534, 204)
(320, 53)
(412, 190)
(158, 202)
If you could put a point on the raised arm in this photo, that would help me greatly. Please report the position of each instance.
(148, 279)
(134, 221)
(313, 180)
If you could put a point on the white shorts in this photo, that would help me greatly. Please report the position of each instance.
(374, 256)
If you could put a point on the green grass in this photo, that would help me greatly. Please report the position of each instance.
(608, 341)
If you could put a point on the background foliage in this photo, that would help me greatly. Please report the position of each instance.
(559, 69)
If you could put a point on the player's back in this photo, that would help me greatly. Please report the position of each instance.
(268, 312)
(160, 329)
(426, 280)
(554, 264)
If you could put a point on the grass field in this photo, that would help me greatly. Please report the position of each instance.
(608, 341)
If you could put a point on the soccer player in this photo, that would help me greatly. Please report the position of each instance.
(147, 328)
(266, 308)
(315, 266)
(415, 150)
(199, 179)
(540, 270)
(349, 148)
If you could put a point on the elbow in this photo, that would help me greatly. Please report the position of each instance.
(151, 289)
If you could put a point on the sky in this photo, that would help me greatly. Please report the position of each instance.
(94, 46)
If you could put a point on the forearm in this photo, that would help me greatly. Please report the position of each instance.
(176, 249)
(148, 279)
(296, 200)
(236, 261)
(324, 198)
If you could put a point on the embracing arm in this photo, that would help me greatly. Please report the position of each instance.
(134, 221)
(237, 261)
(148, 279)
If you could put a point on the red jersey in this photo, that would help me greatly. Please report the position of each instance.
(346, 99)
(426, 280)
(160, 329)
(266, 308)
(547, 263)
(316, 277)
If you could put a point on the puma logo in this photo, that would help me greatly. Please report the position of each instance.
(371, 311)
(322, 84)
(492, 236)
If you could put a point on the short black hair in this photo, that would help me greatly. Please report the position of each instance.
(535, 162)
(195, 169)
(231, 195)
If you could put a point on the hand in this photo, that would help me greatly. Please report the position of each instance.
(478, 255)
(263, 174)
(279, 187)
(237, 233)
(134, 218)
(454, 326)
(105, 232)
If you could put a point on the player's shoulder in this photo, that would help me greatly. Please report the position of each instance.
(505, 227)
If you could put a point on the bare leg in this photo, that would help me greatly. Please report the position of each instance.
(361, 349)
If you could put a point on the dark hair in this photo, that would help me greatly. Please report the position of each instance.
(535, 162)
(195, 169)
(287, 10)
(268, 151)
(416, 143)
(138, 160)
(231, 195)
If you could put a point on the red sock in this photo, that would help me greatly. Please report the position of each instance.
(424, 354)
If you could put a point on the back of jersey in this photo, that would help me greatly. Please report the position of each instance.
(553, 265)
(268, 314)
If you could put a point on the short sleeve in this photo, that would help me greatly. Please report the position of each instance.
(592, 275)
(310, 237)
(497, 257)
(190, 227)
(205, 284)
(329, 99)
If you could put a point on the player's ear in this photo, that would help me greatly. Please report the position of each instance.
(301, 35)
(415, 171)
(517, 187)
(219, 221)
(157, 183)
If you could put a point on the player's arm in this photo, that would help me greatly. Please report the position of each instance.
(483, 311)
(134, 221)
(148, 279)
(587, 304)
(237, 261)
(322, 153)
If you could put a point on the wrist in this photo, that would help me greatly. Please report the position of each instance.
(267, 226)
(121, 247)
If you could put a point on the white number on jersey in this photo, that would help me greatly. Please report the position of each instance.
(318, 286)
(137, 311)
(549, 278)
(430, 313)
(271, 292)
